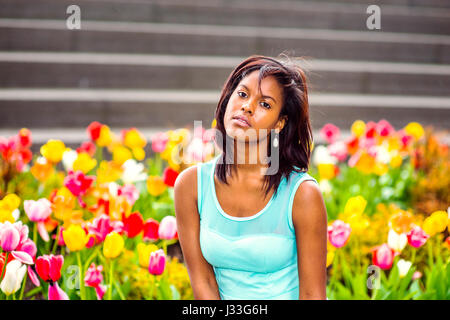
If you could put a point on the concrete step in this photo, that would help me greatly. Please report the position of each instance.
(47, 108)
(137, 71)
(183, 39)
(298, 14)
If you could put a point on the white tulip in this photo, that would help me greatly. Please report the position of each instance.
(397, 241)
(322, 155)
(133, 171)
(403, 267)
(15, 271)
(68, 158)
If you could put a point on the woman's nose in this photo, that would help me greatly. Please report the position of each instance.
(246, 107)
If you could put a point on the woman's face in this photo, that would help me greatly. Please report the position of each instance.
(258, 109)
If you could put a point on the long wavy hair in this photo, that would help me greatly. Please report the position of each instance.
(295, 139)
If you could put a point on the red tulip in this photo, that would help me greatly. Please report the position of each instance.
(88, 147)
(151, 228)
(169, 176)
(49, 267)
(383, 256)
(133, 224)
(93, 130)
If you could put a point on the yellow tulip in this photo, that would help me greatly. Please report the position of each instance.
(75, 237)
(113, 245)
(156, 185)
(380, 168)
(326, 171)
(414, 129)
(138, 153)
(355, 205)
(358, 128)
(435, 223)
(42, 169)
(330, 253)
(10, 202)
(213, 123)
(53, 150)
(134, 139)
(365, 163)
(144, 251)
(108, 171)
(121, 154)
(396, 161)
(105, 137)
(6, 215)
(84, 162)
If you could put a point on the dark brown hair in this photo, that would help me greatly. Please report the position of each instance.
(295, 139)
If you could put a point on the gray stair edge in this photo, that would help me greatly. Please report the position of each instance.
(217, 62)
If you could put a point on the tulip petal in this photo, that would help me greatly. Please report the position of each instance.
(22, 257)
(33, 276)
(42, 231)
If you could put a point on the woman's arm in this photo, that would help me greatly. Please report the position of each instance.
(201, 273)
(309, 217)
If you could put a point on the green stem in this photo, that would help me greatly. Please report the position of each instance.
(56, 240)
(119, 290)
(430, 253)
(111, 269)
(35, 234)
(152, 288)
(413, 257)
(80, 277)
(24, 282)
(4, 265)
(91, 257)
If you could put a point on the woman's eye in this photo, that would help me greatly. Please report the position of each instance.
(265, 105)
(242, 94)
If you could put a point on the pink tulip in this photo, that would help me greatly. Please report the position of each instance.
(78, 183)
(130, 192)
(38, 211)
(94, 278)
(330, 133)
(339, 150)
(12, 238)
(168, 228)
(9, 237)
(151, 228)
(338, 233)
(383, 256)
(157, 262)
(101, 226)
(417, 237)
(384, 128)
(56, 293)
(159, 142)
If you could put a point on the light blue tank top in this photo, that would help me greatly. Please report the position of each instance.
(254, 258)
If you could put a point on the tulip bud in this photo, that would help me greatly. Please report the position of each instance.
(15, 271)
(75, 237)
(113, 245)
(9, 237)
(157, 262)
(168, 228)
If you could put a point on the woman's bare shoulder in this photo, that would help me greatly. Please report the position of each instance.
(186, 183)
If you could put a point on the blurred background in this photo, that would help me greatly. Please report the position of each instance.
(161, 64)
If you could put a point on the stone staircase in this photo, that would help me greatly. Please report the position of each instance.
(160, 64)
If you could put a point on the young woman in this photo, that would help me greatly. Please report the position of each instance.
(252, 222)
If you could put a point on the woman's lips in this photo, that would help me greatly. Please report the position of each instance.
(241, 122)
